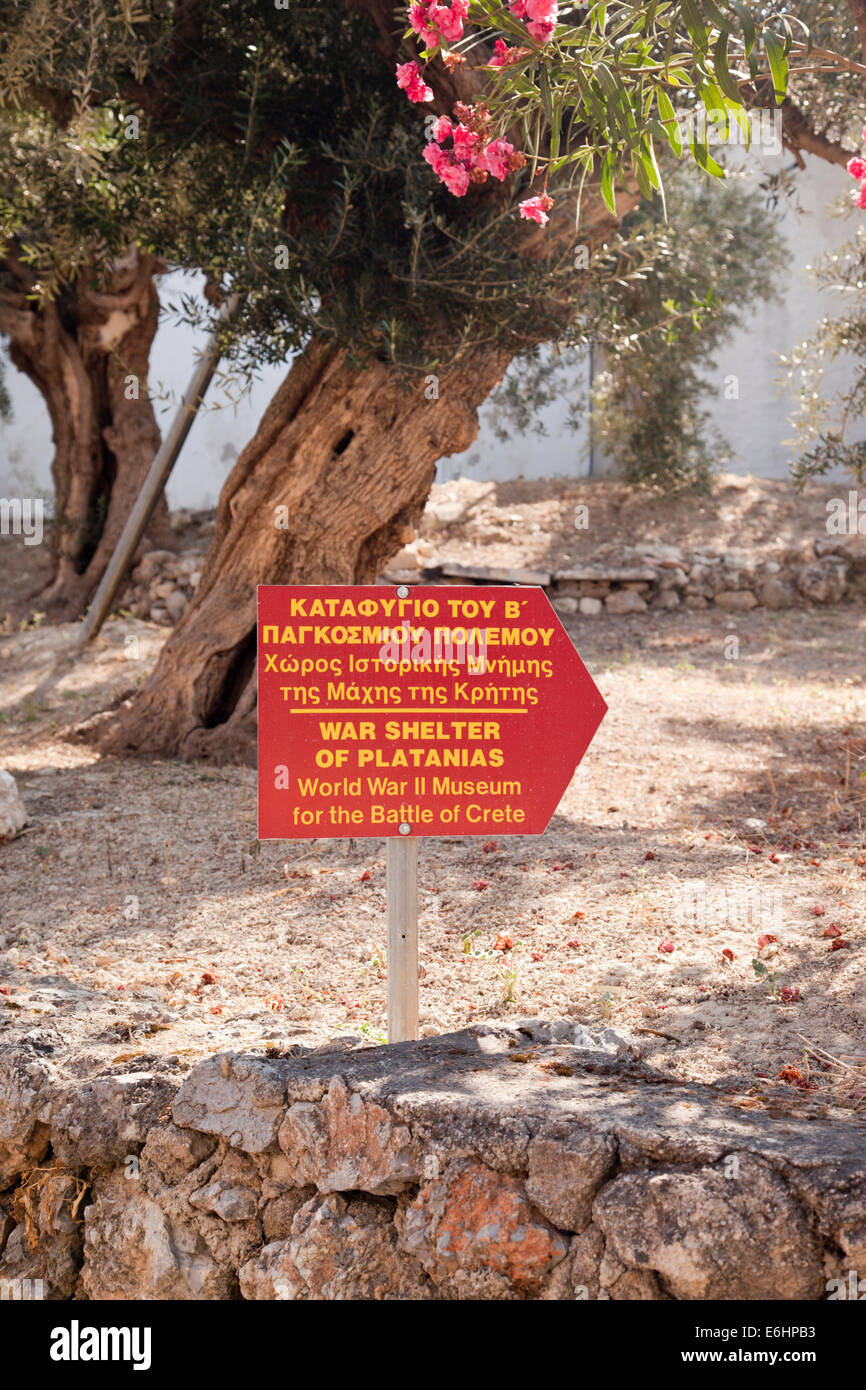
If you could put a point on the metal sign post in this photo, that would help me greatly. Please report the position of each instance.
(402, 898)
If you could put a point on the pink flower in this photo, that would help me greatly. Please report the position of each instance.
(856, 167)
(442, 129)
(496, 157)
(542, 9)
(464, 142)
(449, 22)
(419, 22)
(435, 22)
(542, 31)
(860, 196)
(436, 158)
(863, 135)
(540, 17)
(471, 155)
(503, 56)
(535, 209)
(410, 81)
(456, 178)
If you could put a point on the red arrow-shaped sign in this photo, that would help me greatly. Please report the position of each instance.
(450, 711)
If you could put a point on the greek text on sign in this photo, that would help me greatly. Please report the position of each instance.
(450, 711)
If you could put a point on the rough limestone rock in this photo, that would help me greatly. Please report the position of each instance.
(279, 1207)
(775, 593)
(225, 1200)
(610, 1042)
(218, 1200)
(667, 599)
(241, 1099)
(712, 1236)
(566, 1169)
(834, 1193)
(176, 604)
(25, 1081)
(484, 1153)
(13, 816)
(150, 565)
(132, 1250)
(636, 1285)
(736, 600)
(474, 1222)
(345, 1143)
(624, 601)
(337, 1250)
(577, 1276)
(175, 1152)
(106, 1119)
(46, 1244)
(823, 582)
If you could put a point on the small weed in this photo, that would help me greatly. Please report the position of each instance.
(768, 975)
(376, 1035)
(509, 974)
(472, 952)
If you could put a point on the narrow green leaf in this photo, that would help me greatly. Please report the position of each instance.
(607, 170)
(723, 72)
(716, 16)
(705, 160)
(747, 22)
(546, 94)
(669, 120)
(778, 61)
(643, 179)
(695, 24)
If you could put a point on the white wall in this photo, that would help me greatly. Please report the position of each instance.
(756, 424)
(213, 444)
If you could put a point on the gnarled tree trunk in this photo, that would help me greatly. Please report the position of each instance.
(87, 353)
(351, 454)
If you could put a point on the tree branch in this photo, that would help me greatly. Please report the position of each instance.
(799, 137)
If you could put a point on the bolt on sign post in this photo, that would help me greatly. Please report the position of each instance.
(398, 712)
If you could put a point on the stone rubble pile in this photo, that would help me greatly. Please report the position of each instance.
(163, 582)
(634, 579)
(618, 579)
(540, 1161)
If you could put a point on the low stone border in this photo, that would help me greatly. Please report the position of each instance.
(822, 570)
(535, 1162)
(665, 576)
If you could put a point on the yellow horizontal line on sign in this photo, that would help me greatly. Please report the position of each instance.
(362, 709)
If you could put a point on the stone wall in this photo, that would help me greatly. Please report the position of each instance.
(820, 570)
(534, 1162)
(638, 578)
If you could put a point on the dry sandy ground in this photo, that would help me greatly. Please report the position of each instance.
(139, 913)
(532, 523)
